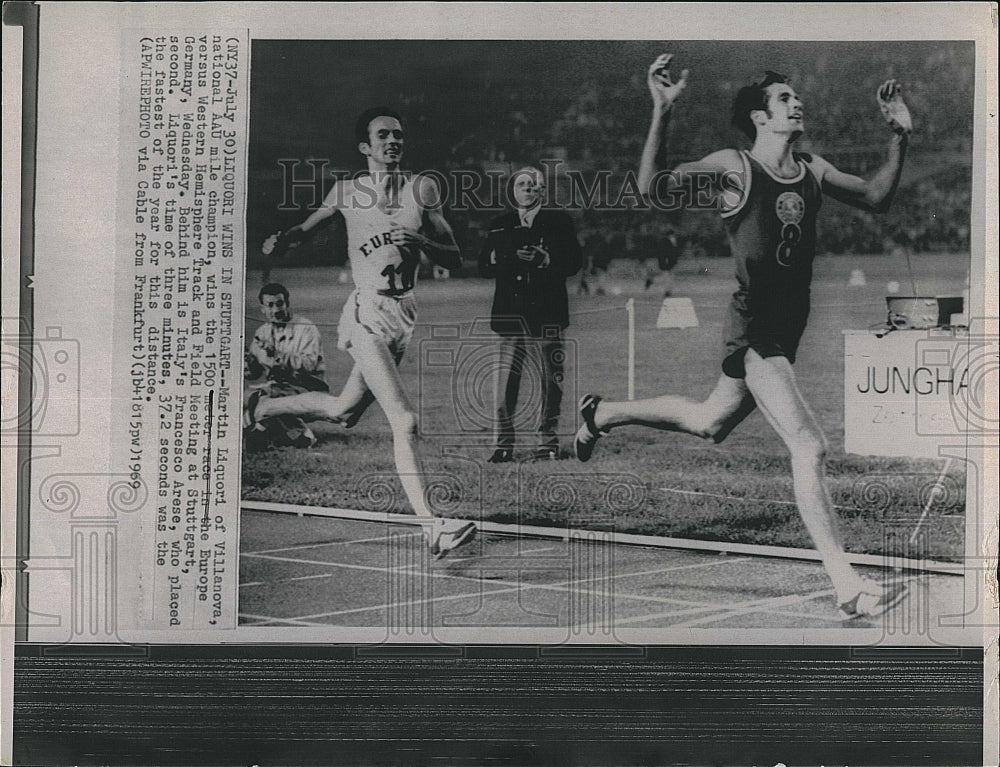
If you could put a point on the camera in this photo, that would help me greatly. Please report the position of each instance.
(514, 239)
(960, 368)
(519, 237)
(50, 365)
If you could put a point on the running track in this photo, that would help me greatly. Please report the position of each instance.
(320, 571)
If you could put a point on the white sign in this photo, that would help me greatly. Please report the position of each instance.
(907, 393)
(677, 313)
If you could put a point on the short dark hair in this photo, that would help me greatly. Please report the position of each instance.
(750, 98)
(273, 289)
(365, 119)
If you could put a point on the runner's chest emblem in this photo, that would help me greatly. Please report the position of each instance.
(790, 207)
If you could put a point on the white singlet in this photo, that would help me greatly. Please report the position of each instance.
(382, 302)
(377, 265)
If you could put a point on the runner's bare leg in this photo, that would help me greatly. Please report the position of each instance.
(772, 382)
(714, 418)
(352, 401)
(355, 398)
(377, 366)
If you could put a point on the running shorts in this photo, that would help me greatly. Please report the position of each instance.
(775, 334)
(389, 318)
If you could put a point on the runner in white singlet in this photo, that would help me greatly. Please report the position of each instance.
(384, 273)
(391, 218)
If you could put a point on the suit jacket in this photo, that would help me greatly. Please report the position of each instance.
(526, 296)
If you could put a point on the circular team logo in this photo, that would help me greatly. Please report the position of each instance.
(790, 207)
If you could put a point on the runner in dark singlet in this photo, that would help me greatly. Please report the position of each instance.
(772, 235)
(769, 197)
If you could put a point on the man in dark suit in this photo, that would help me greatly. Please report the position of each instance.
(530, 252)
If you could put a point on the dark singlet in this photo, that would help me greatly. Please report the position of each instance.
(772, 234)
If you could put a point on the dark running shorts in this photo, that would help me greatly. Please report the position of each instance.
(734, 364)
(774, 338)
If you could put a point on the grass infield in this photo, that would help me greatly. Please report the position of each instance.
(640, 480)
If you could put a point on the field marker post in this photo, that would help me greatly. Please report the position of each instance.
(630, 313)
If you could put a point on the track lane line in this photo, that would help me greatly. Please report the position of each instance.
(565, 587)
(884, 562)
(560, 587)
(720, 611)
(300, 547)
(731, 611)
(271, 619)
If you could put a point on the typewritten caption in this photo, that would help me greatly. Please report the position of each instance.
(184, 186)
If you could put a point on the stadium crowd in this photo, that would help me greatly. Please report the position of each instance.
(593, 125)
